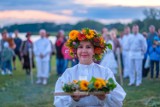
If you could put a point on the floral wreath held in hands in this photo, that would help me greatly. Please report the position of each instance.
(86, 34)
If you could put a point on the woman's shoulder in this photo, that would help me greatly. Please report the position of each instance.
(102, 68)
(70, 70)
(105, 71)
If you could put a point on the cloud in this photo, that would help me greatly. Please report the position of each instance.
(115, 12)
(135, 3)
(108, 21)
(30, 16)
(15, 16)
(67, 12)
(72, 11)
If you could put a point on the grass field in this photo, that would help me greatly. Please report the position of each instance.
(17, 91)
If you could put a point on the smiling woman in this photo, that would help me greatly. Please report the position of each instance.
(86, 39)
(82, 44)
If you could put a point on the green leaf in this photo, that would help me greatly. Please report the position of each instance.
(99, 35)
(111, 84)
(91, 87)
(109, 46)
(111, 81)
(105, 89)
(68, 88)
(87, 30)
(93, 79)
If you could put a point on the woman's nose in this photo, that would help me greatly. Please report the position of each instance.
(84, 49)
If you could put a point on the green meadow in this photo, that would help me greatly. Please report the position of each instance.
(17, 91)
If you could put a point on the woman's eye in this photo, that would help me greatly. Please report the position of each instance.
(88, 47)
(80, 47)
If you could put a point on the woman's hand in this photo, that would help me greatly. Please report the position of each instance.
(77, 97)
(101, 96)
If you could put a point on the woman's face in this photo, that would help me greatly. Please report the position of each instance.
(85, 52)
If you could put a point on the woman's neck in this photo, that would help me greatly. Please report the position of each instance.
(86, 63)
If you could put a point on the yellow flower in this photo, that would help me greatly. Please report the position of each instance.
(97, 84)
(84, 85)
(100, 56)
(68, 42)
(102, 41)
(90, 34)
(102, 81)
(73, 34)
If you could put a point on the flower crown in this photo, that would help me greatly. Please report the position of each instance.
(87, 34)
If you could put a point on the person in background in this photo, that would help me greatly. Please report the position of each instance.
(10, 40)
(137, 48)
(108, 59)
(152, 33)
(145, 70)
(154, 53)
(116, 43)
(125, 51)
(42, 50)
(18, 42)
(25, 49)
(6, 38)
(59, 56)
(2, 41)
(159, 32)
(7, 55)
(66, 54)
(105, 34)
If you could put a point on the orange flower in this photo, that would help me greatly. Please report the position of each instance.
(84, 85)
(73, 34)
(97, 84)
(98, 50)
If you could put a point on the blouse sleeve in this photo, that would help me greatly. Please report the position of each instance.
(63, 101)
(114, 98)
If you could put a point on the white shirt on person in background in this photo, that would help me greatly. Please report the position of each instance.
(42, 46)
(124, 42)
(86, 72)
(137, 46)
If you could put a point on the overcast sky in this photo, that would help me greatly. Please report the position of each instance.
(72, 11)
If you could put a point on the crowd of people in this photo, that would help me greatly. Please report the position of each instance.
(140, 53)
(41, 50)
